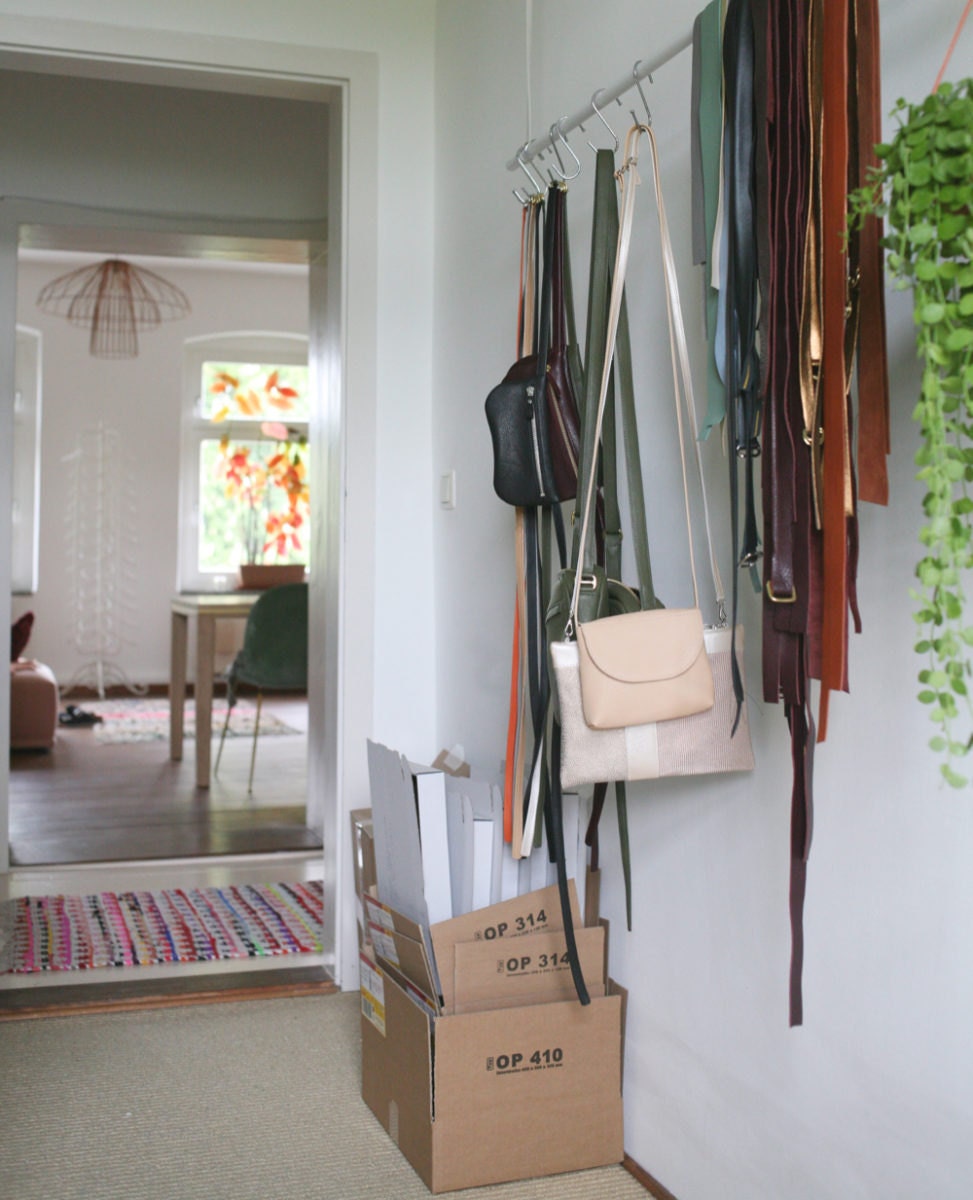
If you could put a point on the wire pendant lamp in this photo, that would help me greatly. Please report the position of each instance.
(115, 300)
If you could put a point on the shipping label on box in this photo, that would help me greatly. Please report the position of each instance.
(413, 947)
(532, 970)
(372, 987)
(409, 959)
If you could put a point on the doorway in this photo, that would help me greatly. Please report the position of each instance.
(107, 550)
(342, 351)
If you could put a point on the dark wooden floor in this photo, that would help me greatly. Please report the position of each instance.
(85, 801)
(127, 995)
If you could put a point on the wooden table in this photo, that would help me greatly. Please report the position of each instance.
(207, 608)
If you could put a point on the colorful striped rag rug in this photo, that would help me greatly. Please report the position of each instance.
(174, 925)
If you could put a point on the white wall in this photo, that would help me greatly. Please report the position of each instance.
(142, 399)
(873, 1096)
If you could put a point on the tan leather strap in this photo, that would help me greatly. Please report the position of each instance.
(629, 177)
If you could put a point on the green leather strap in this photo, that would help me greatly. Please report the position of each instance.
(596, 327)
(604, 238)
(710, 72)
(575, 364)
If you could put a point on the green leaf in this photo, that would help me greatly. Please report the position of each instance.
(953, 225)
(937, 743)
(921, 234)
(959, 339)
(932, 313)
(926, 697)
(966, 305)
(953, 778)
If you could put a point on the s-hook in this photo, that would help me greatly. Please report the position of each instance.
(601, 117)
(536, 183)
(638, 84)
(557, 135)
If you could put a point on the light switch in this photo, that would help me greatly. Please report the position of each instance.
(447, 490)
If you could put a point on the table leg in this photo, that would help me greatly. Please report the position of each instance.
(205, 658)
(178, 649)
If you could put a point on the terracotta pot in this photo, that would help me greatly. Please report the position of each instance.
(257, 577)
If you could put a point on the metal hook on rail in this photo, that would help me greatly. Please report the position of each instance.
(536, 183)
(638, 84)
(601, 117)
(557, 135)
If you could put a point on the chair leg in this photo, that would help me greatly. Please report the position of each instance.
(256, 731)
(219, 753)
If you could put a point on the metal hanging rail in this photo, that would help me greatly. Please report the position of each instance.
(642, 69)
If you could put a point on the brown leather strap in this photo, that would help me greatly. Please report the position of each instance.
(873, 382)
(810, 341)
(790, 535)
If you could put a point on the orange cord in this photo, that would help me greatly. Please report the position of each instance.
(508, 775)
(952, 45)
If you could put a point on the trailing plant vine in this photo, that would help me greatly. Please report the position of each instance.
(923, 187)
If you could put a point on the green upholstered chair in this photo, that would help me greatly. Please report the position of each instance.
(273, 656)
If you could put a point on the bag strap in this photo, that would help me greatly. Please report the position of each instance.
(683, 384)
(604, 239)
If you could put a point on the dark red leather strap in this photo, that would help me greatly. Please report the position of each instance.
(789, 529)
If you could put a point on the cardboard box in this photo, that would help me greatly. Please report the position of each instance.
(525, 915)
(489, 1097)
(532, 970)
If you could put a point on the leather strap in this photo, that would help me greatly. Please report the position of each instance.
(707, 66)
(873, 382)
(742, 369)
(512, 721)
(682, 381)
(557, 846)
(789, 528)
(836, 454)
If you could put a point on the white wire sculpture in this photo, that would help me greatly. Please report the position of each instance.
(101, 559)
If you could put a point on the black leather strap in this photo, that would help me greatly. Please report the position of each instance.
(742, 366)
(556, 828)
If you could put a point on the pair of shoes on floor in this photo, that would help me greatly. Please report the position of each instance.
(73, 715)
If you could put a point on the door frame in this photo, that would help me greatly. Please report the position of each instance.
(342, 355)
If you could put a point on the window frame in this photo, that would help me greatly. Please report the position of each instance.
(259, 347)
(26, 469)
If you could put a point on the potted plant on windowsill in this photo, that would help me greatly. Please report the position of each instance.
(269, 485)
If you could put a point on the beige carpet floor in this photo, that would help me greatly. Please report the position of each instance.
(244, 1101)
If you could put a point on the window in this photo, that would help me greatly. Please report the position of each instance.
(245, 487)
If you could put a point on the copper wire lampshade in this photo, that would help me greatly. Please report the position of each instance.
(115, 300)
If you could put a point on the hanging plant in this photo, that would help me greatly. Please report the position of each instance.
(923, 187)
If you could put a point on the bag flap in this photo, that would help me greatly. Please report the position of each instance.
(642, 647)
